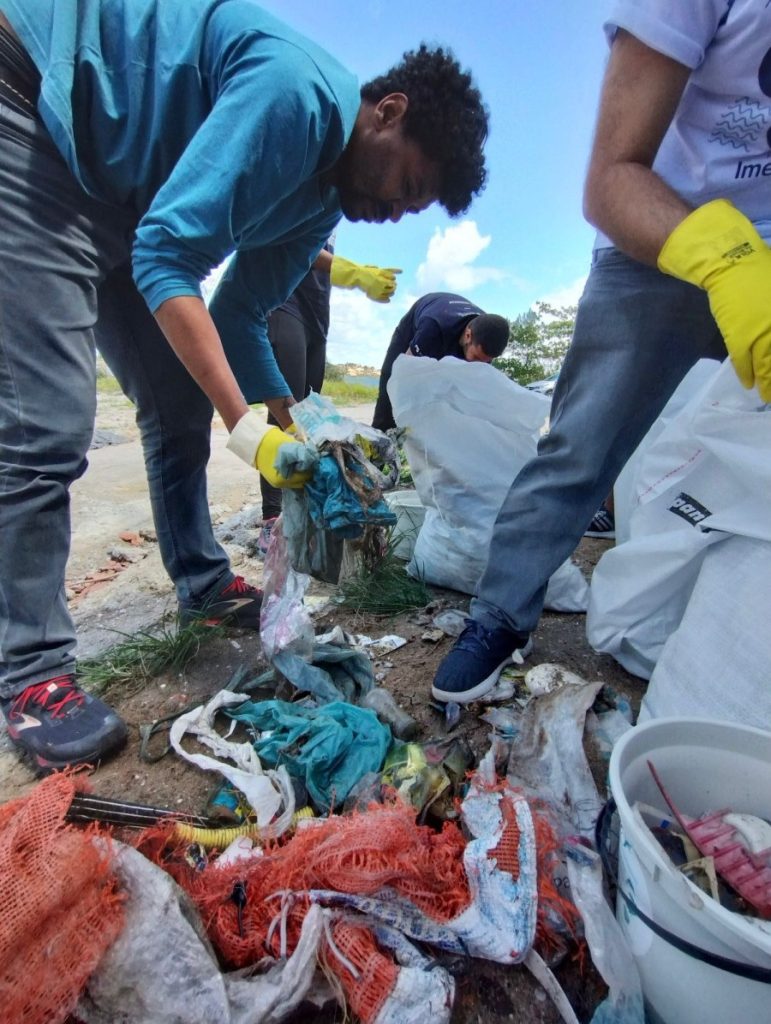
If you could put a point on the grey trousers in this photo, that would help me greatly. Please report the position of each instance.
(65, 286)
(637, 334)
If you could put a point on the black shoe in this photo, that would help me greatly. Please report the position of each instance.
(56, 724)
(478, 657)
(237, 604)
(603, 524)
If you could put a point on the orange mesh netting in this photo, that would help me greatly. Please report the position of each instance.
(357, 854)
(552, 906)
(59, 911)
(376, 973)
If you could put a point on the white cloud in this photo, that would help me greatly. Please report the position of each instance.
(360, 329)
(568, 295)
(449, 260)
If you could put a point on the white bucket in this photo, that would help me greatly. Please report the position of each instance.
(705, 766)
(410, 514)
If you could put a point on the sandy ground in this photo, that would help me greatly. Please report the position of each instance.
(125, 596)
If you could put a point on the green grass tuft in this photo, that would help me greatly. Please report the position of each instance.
(386, 588)
(143, 655)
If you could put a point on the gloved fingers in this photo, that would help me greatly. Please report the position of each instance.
(742, 364)
(761, 362)
(293, 482)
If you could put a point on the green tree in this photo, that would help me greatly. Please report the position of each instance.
(538, 341)
(333, 372)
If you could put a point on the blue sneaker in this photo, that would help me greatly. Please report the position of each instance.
(478, 657)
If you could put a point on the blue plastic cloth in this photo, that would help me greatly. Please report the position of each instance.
(328, 748)
(331, 502)
(346, 675)
(334, 505)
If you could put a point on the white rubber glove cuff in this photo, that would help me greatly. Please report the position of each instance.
(246, 437)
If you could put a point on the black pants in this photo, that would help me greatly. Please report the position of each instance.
(383, 417)
(300, 351)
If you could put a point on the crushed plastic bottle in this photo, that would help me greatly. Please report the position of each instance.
(403, 726)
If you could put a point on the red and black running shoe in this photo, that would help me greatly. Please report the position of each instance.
(56, 724)
(237, 604)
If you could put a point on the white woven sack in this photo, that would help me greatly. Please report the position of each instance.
(705, 478)
(469, 432)
(717, 663)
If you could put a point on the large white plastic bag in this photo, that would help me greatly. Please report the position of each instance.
(469, 432)
(625, 489)
(706, 477)
(716, 663)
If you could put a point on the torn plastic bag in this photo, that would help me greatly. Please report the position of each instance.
(353, 465)
(285, 624)
(328, 748)
(547, 756)
(335, 673)
(607, 944)
(270, 793)
(318, 421)
(424, 992)
(344, 494)
(499, 919)
(343, 498)
(469, 431)
(161, 967)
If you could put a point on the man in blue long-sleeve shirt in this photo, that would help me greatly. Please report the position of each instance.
(141, 142)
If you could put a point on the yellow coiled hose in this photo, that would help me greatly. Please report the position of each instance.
(209, 838)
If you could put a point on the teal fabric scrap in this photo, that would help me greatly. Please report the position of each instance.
(328, 748)
(337, 673)
(334, 505)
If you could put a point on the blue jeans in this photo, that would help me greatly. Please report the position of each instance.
(65, 287)
(637, 334)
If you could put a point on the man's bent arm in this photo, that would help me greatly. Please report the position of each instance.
(190, 331)
(623, 197)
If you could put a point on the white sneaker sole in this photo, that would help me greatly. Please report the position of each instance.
(478, 691)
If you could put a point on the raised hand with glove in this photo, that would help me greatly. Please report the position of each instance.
(259, 444)
(718, 249)
(379, 283)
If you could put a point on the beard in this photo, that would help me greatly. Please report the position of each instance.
(361, 206)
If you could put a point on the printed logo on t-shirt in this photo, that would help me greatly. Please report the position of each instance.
(742, 124)
(689, 509)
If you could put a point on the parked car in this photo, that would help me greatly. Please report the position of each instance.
(544, 387)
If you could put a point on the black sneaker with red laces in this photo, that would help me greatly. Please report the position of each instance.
(237, 604)
(56, 724)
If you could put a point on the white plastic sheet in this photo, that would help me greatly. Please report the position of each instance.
(469, 432)
(268, 792)
(705, 478)
(161, 968)
(716, 663)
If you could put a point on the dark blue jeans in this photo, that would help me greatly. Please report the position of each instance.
(637, 334)
(65, 287)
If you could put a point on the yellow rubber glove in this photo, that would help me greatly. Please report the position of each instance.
(379, 283)
(717, 248)
(258, 445)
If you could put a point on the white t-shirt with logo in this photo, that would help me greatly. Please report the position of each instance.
(719, 143)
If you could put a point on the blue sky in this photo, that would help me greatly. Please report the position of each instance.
(539, 66)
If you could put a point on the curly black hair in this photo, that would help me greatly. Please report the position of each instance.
(446, 116)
